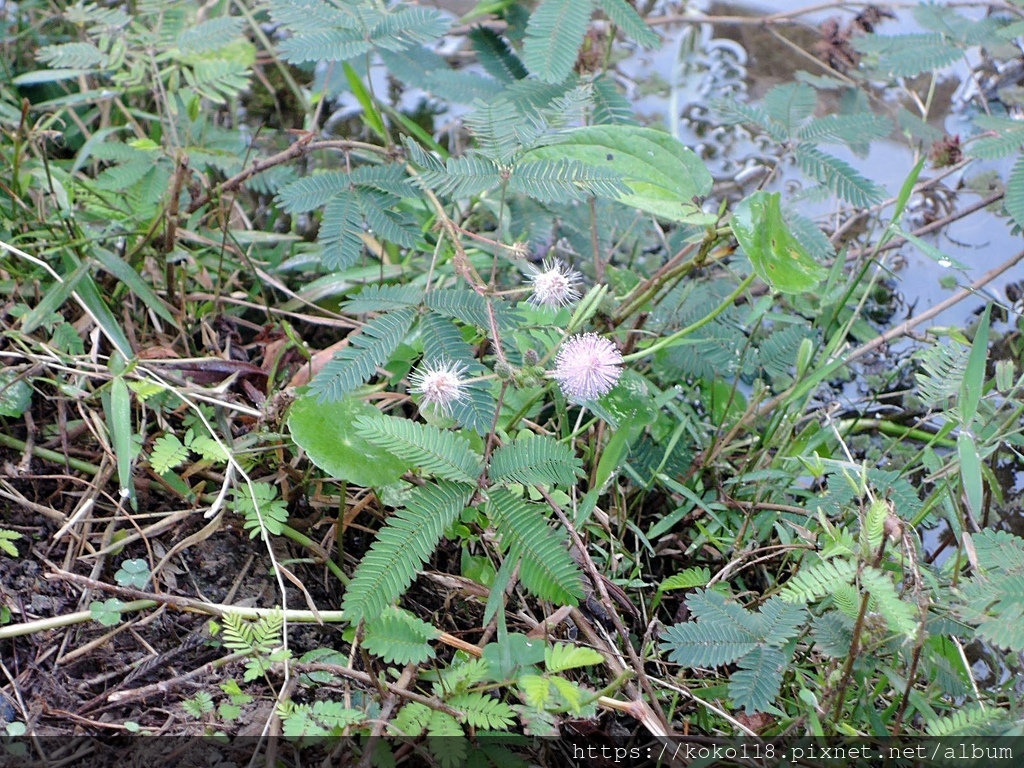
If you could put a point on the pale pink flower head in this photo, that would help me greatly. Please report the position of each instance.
(587, 367)
(440, 384)
(555, 284)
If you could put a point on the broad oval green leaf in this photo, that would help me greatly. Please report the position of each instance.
(667, 178)
(327, 433)
(776, 255)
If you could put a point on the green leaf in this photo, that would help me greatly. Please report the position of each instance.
(369, 348)
(780, 621)
(439, 452)
(706, 644)
(119, 418)
(757, 682)
(168, 453)
(495, 56)
(909, 55)
(442, 340)
(560, 657)
(120, 269)
(486, 712)
(326, 432)
(687, 579)
(840, 178)
(777, 256)
(133, 573)
(398, 637)
(553, 37)
(993, 599)
(107, 613)
(371, 115)
(625, 17)
(547, 569)
(402, 547)
(383, 298)
(15, 394)
(970, 473)
(790, 104)
(472, 308)
(535, 460)
(856, 131)
(6, 537)
(974, 377)
(341, 231)
(667, 179)
(555, 181)
(900, 615)
(817, 581)
(1014, 200)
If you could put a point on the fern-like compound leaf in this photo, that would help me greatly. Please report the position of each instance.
(341, 231)
(856, 131)
(552, 181)
(756, 683)
(686, 579)
(817, 581)
(546, 568)
(1014, 200)
(369, 348)
(383, 298)
(535, 460)
(994, 598)
(313, 191)
(790, 105)
(439, 452)
(840, 178)
(553, 37)
(464, 177)
(900, 615)
(402, 547)
(969, 721)
(71, 56)
(385, 220)
(735, 112)
(611, 107)
(210, 35)
(472, 308)
(942, 372)
(398, 637)
(319, 719)
(168, 453)
(560, 657)
(311, 15)
(625, 17)
(909, 55)
(495, 55)
(715, 608)
(706, 644)
(406, 26)
(999, 551)
(780, 620)
(218, 80)
(324, 45)
(483, 711)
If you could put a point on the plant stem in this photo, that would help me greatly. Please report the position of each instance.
(670, 340)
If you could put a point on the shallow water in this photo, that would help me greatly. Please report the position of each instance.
(699, 62)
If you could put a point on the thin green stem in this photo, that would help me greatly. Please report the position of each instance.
(684, 332)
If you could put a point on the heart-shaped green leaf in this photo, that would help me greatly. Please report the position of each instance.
(776, 255)
(326, 432)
